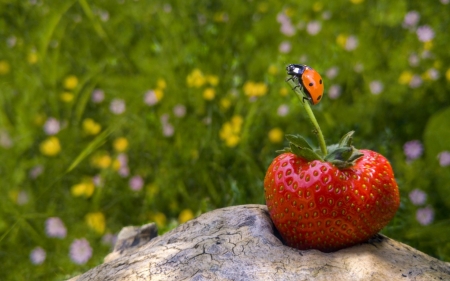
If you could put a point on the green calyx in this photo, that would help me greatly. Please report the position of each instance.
(342, 155)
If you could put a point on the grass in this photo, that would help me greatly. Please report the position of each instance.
(120, 113)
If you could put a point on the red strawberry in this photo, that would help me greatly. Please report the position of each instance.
(329, 203)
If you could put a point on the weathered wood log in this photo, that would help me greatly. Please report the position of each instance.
(240, 243)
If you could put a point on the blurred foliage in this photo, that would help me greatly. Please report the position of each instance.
(116, 113)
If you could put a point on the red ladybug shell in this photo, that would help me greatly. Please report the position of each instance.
(313, 84)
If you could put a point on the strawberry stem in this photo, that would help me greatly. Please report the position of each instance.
(301, 95)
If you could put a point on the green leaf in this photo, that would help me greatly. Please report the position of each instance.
(305, 153)
(347, 139)
(299, 141)
(342, 153)
(284, 150)
(94, 145)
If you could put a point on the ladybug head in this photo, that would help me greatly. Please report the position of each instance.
(295, 69)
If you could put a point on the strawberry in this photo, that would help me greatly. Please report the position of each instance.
(333, 201)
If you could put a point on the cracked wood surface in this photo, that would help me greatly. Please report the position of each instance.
(239, 243)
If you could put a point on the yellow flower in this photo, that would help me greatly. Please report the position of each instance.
(254, 89)
(196, 79)
(225, 103)
(185, 216)
(356, 1)
(284, 92)
(85, 188)
(290, 12)
(428, 45)
(120, 144)
(4, 67)
(115, 165)
(96, 221)
(341, 40)
(32, 57)
(447, 74)
(152, 189)
(161, 84)
(102, 161)
(405, 77)
(90, 127)
(159, 218)
(66, 97)
(70, 82)
(209, 94)
(263, 7)
(317, 7)
(159, 94)
(213, 80)
(13, 195)
(50, 146)
(273, 70)
(39, 119)
(230, 131)
(276, 135)
(237, 121)
(220, 17)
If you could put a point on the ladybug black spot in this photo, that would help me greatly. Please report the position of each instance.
(310, 84)
(320, 82)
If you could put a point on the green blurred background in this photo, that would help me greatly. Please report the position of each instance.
(117, 113)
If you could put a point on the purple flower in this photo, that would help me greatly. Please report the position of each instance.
(413, 149)
(283, 110)
(98, 181)
(104, 15)
(358, 68)
(313, 27)
(80, 251)
(287, 28)
(109, 239)
(54, 227)
(411, 19)
(332, 72)
(425, 33)
(285, 47)
(351, 43)
(5, 139)
(179, 110)
(150, 98)
(136, 183)
(444, 158)
(415, 82)
(282, 18)
(168, 130)
(326, 15)
(376, 87)
(38, 255)
(124, 171)
(167, 8)
(445, 2)
(36, 171)
(98, 96)
(52, 126)
(164, 118)
(425, 216)
(414, 60)
(117, 106)
(417, 197)
(433, 74)
(22, 198)
(334, 92)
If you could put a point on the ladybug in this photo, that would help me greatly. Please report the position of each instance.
(308, 79)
